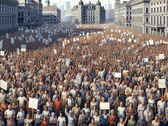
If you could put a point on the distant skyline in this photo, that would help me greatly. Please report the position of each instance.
(75, 2)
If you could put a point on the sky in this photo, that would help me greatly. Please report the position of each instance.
(72, 2)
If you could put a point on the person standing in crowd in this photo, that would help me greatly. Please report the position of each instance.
(20, 117)
(61, 120)
(71, 117)
(37, 118)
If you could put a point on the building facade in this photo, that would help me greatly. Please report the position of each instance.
(47, 3)
(110, 15)
(67, 5)
(88, 14)
(8, 16)
(123, 14)
(51, 15)
(140, 15)
(30, 13)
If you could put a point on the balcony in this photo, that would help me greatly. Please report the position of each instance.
(154, 25)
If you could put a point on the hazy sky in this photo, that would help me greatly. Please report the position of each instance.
(72, 2)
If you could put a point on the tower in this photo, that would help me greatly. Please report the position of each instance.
(117, 2)
(47, 3)
(80, 14)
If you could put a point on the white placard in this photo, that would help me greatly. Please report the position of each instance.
(117, 75)
(55, 51)
(33, 103)
(78, 79)
(12, 40)
(67, 62)
(104, 106)
(162, 83)
(119, 40)
(145, 60)
(1, 43)
(3, 84)
(151, 42)
(157, 58)
(161, 56)
(125, 71)
(2, 53)
(17, 51)
(130, 40)
(23, 48)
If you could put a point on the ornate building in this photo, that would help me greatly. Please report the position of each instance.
(88, 14)
(8, 16)
(30, 13)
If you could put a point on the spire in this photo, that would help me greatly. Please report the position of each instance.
(80, 2)
(98, 3)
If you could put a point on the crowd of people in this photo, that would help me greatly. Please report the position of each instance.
(70, 95)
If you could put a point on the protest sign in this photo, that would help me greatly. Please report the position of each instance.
(3, 84)
(67, 62)
(55, 51)
(33, 103)
(12, 40)
(2, 53)
(78, 79)
(162, 83)
(145, 60)
(23, 48)
(161, 56)
(104, 106)
(117, 75)
(1, 43)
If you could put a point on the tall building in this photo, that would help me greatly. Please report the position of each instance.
(109, 5)
(51, 15)
(54, 4)
(117, 3)
(8, 16)
(88, 14)
(47, 3)
(123, 14)
(67, 5)
(30, 13)
(110, 15)
(62, 7)
(140, 15)
(105, 6)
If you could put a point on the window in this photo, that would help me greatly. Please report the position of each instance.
(160, 20)
(146, 10)
(164, 9)
(164, 20)
(157, 20)
(160, 2)
(127, 18)
(151, 20)
(151, 4)
(130, 17)
(157, 9)
(154, 20)
(154, 3)
(157, 2)
(151, 10)
(160, 9)
(127, 12)
(146, 19)
(154, 10)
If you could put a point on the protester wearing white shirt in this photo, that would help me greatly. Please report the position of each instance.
(121, 111)
(20, 117)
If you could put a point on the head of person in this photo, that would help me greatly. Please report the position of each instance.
(61, 114)
(21, 109)
(38, 111)
(28, 116)
(45, 119)
(104, 112)
(148, 107)
(156, 117)
(83, 112)
(121, 120)
(45, 108)
(132, 117)
(92, 120)
(142, 117)
(121, 104)
(70, 112)
(53, 114)
(112, 112)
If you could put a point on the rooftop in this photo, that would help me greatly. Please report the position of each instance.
(50, 8)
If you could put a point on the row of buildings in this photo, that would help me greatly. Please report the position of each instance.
(146, 16)
(19, 13)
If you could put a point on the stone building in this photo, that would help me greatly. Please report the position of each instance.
(88, 13)
(30, 13)
(8, 16)
(51, 15)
